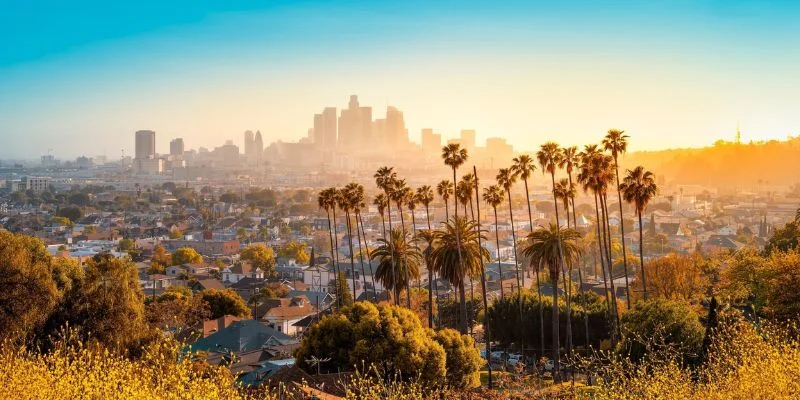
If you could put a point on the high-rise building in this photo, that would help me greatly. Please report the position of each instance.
(258, 148)
(249, 139)
(176, 147)
(145, 144)
(431, 142)
(468, 140)
(396, 133)
(355, 124)
(329, 124)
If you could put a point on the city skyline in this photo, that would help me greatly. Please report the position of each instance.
(677, 75)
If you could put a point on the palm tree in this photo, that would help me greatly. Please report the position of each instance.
(506, 179)
(470, 180)
(553, 248)
(463, 194)
(411, 203)
(424, 196)
(523, 167)
(355, 195)
(445, 190)
(400, 193)
(454, 156)
(384, 180)
(565, 192)
(393, 273)
(494, 195)
(345, 205)
(457, 254)
(486, 330)
(380, 202)
(639, 187)
(616, 141)
(326, 201)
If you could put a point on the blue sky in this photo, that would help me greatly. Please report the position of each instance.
(81, 77)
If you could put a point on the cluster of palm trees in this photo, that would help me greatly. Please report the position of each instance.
(454, 251)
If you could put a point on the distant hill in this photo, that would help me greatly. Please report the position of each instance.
(745, 166)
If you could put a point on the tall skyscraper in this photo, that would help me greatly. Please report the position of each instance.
(431, 142)
(468, 139)
(395, 131)
(176, 147)
(355, 124)
(329, 123)
(258, 149)
(249, 141)
(145, 144)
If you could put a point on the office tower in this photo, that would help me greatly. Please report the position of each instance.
(396, 133)
(176, 147)
(318, 131)
(329, 125)
(145, 144)
(258, 148)
(468, 140)
(431, 142)
(355, 124)
(249, 141)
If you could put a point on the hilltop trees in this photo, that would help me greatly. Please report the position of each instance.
(639, 187)
(259, 256)
(186, 255)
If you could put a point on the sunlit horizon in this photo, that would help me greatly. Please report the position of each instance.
(672, 75)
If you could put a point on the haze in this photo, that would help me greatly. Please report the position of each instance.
(80, 79)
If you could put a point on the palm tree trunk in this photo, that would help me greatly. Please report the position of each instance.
(516, 269)
(352, 262)
(641, 254)
(335, 257)
(414, 240)
(580, 274)
(541, 310)
(330, 233)
(361, 254)
(487, 337)
(567, 278)
(391, 250)
(622, 233)
(601, 250)
(403, 259)
(366, 247)
(460, 261)
(554, 322)
(383, 225)
(610, 264)
(430, 274)
(538, 287)
(499, 267)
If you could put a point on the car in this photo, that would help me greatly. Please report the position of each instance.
(498, 355)
(549, 365)
(514, 359)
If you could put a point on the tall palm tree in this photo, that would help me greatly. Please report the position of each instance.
(638, 188)
(524, 167)
(411, 203)
(401, 194)
(424, 196)
(384, 180)
(464, 196)
(345, 205)
(486, 330)
(360, 221)
(355, 195)
(445, 190)
(393, 273)
(616, 141)
(456, 255)
(506, 179)
(494, 195)
(326, 201)
(454, 156)
(470, 180)
(565, 192)
(554, 248)
(380, 202)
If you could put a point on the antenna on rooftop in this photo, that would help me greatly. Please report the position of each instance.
(738, 134)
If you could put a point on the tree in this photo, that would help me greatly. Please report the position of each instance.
(506, 178)
(259, 256)
(399, 261)
(186, 255)
(161, 256)
(105, 297)
(28, 292)
(445, 189)
(126, 245)
(455, 259)
(224, 302)
(229, 197)
(388, 337)
(555, 249)
(462, 359)
(673, 323)
(343, 296)
(454, 156)
(785, 238)
(73, 213)
(494, 196)
(616, 142)
(296, 250)
(676, 277)
(639, 187)
(424, 196)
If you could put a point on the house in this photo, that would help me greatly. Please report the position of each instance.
(241, 336)
(247, 287)
(156, 282)
(206, 284)
(188, 269)
(282, 314)
(244, 269)
(212, 326)
(318, 277)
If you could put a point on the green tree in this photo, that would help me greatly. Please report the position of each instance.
(399, 261)
(63, 221)
(126, 245)
(73, 213)
(785, 238)
(462, 359)
(224, 302)
(638, 188)
(343, 296)
(670, 322)
(296, 250)
(456, 255)
(186, 255)
(28, 292)
(259, 256)
(388, 337)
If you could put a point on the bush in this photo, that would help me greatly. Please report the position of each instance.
(462, 359)
(674, 323)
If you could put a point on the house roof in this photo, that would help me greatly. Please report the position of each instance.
(211, 284)
(288, 308)
(244, 335)
(243, 268)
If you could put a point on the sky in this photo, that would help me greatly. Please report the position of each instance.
(81, 77)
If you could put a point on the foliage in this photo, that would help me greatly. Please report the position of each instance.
(399, 261)
(126, 245)
(786, 238)
(388, 337)
(296, 250)
(462, 359)
(343, 295)
(504, 318)
(675, 322)
(186, 255)
(63, 221)
(675, 276)
(224, 302)
(73, 213)
(259, 256)
(161, 256)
